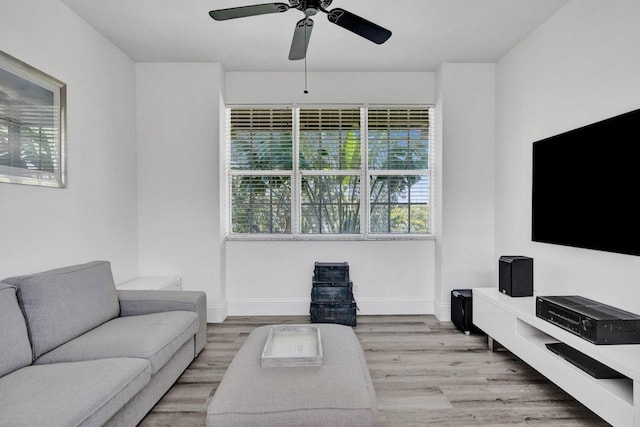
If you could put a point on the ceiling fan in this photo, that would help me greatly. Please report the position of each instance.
(302, 32)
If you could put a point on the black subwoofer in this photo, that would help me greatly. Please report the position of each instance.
(462, 310)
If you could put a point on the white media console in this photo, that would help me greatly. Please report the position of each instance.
(513, 323)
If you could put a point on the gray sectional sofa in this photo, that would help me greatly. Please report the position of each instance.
(77, 352)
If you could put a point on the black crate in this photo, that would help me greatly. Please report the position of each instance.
(331, 272)
(340, 313)
(345, 284)
(332, 292)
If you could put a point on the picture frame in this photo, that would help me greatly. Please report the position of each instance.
(32, 125)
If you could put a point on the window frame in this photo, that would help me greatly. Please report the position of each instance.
(364, 173)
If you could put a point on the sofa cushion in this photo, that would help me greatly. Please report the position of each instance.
(154, 337)
(64, 303)
(70, 394)
(133, 303)
(14, 340)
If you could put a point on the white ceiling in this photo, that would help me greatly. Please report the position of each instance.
(426, 33)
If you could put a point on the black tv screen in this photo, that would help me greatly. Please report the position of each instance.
(586, 186)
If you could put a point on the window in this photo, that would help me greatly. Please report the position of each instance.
(334, 171)
(261, 170)
(398, 165)
(330, 171)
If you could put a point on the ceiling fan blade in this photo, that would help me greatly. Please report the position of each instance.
(359, 25)
(244, 11)
(300, 40)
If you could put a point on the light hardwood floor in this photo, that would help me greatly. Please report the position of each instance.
(425, 373)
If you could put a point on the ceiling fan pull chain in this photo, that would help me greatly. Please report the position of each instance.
(305, 76)
(305, 59)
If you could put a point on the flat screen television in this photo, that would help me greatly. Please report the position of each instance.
(586, 186)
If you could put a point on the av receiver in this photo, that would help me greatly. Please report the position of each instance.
(591, 320)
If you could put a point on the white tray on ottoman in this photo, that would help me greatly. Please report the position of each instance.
(292, 345)
(337, 393)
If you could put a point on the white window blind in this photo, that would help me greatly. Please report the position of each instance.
(330, 139)
(261, 139)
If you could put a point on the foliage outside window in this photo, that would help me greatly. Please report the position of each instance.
(305, 171)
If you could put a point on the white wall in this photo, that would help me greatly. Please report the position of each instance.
(328, 88)
(178, 107)
(275, 277)
(464, 224)
(389, 277)
(96, 216)
(181, 202)
(579, 67)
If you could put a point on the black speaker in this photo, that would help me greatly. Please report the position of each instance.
(515, 275)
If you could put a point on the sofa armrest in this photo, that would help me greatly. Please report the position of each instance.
(135, 303)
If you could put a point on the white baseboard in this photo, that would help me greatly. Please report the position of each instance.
(268, 307)
(442, 311)
(217, 313)
(300, 306)
(397, 306)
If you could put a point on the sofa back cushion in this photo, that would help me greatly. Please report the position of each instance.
(14, 341)
(62, 304)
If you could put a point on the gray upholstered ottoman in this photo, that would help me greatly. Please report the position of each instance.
(338, 393)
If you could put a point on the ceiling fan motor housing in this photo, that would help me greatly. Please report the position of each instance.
(310, 7)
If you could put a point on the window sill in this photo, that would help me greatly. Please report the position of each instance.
(327, 238)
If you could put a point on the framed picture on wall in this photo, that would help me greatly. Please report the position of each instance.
(32, 125)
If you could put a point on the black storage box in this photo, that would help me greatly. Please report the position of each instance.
(331, 272)
(332, 298)
(332, 292)
(341, 313)
(462, 310)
